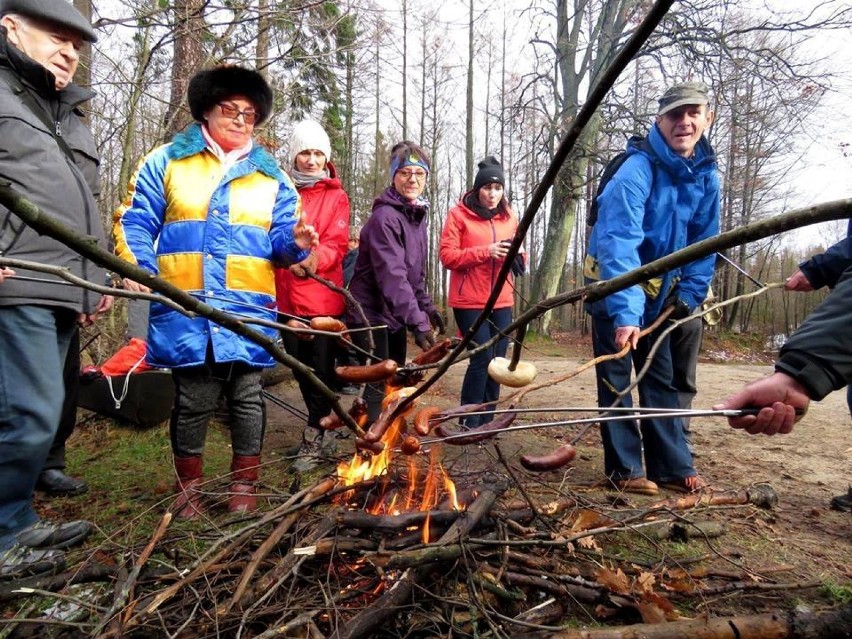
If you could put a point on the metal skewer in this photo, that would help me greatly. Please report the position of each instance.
(568, 409)
(591, 420)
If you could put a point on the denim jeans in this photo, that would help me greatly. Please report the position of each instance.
(667, 456)
(33, 346)
(478, 387)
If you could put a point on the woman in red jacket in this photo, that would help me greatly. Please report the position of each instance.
(325, 205)
(474, 244)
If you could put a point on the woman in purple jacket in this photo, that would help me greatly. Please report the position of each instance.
(390, 273)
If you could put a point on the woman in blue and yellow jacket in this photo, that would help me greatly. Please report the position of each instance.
(210, 213)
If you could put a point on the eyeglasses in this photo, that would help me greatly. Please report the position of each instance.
(231, 111)
(417, 175)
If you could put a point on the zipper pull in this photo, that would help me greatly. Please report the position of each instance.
(58, 130)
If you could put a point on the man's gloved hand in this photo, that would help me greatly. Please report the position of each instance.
(681, 310)
(436, 318)
(424, 340)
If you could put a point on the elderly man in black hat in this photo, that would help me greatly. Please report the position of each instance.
(48, 156)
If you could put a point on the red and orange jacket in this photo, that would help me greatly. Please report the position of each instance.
(325, 206)
(464, 252)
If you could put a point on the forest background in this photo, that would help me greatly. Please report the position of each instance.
(506, 78)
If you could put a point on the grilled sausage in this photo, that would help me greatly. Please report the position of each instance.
(370, 447)
(560, 457)
(410, 445)
(435, 354)
(367, 374)
(421, 419)
(329, 324)
(478, 434)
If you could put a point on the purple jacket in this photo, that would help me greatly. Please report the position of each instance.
(390, 272)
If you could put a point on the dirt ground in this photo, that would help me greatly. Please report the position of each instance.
(801, 535)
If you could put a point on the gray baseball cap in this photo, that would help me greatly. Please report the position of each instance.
(682, 94)
(58, 12)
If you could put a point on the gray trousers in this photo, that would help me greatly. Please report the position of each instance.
(197, 393)
(685, 344)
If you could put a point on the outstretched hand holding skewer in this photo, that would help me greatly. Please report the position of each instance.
(782, 400)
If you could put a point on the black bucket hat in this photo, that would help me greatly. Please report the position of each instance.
(209, 87)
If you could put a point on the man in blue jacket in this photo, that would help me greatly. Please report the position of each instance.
(664, 197)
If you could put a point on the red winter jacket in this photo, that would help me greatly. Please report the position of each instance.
(325, 206)
(464, 252)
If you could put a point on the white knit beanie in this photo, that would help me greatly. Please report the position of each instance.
(309, 134)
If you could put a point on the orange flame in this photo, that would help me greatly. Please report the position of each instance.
(423, 492)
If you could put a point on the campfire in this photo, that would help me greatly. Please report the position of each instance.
(420, 488)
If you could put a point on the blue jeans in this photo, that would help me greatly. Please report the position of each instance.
(478, 387)
(667, 456)
(33, 345)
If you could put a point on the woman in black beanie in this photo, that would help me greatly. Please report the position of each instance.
(474, 243)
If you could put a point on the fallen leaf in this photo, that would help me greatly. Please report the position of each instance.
(614, 581)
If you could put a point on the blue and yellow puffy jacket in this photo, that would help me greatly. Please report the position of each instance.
(212, 234)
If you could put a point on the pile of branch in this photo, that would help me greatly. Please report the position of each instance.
(312, 567)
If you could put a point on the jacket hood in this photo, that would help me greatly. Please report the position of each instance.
(391, 197)
(38, 77)
(191, 141)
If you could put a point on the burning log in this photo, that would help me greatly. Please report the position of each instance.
(832, 624)
(393, 523)
(399, 593)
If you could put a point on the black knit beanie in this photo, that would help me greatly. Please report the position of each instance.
(490, 170)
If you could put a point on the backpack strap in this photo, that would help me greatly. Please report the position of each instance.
(609, 171)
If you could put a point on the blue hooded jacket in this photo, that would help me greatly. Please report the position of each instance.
(657, 203)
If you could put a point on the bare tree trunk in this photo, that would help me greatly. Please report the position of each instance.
(83, 76)
(261, 51)
(404, 69)
(128, 156)
(188, 58)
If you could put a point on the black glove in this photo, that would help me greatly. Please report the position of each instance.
(681, 310)
(424, 340)
(436, 318)
(518, 265)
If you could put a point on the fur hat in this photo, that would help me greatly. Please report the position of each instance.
(490, 171)
(309, 134)
(209, 87)
(57, 12)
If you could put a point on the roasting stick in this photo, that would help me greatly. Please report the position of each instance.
(660, 413)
